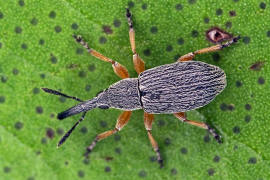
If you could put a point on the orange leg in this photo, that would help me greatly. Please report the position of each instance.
(182, 117)
(121, 122)
(190, 56)
(137, 61)
(119, 69)
(148, 120)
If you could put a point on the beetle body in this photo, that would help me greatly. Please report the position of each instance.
(166, 89)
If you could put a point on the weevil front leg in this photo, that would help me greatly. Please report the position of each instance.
(137, 61)
(190, 56)
(148, 120)
(119, 69)
(121, 122)
(182, 117)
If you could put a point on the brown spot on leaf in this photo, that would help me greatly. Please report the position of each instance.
(50, 133)
(217, 35)
(107, 29)
(108, 158)
(257, 66)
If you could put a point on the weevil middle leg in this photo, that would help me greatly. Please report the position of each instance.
(182, 117)
(191, 55)
(118, 68)
(137, 61)
(121, 122)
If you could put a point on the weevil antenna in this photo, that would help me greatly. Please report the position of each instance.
(82, 107)
(64, 138)
(57, 93)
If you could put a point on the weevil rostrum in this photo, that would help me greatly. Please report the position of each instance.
(168, 89)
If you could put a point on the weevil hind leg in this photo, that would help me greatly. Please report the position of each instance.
(137, 61)
(121, 122)
(148, 120)
(191, 55)
(182, 117)
(118, 68)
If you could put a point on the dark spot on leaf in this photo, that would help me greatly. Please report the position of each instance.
(108, 158)
(117, 137)
(60, 131)
(18, 30)
(39, 109)
(252, 160)
(117, 23)
(44, 140)
(7, 169)
(31, 178)
(1, 15)
(74, 26)
(167, 141)
(57, 29)
(86, 161)
(161, 123)
(144, 6)
(41, 42)
(107, 29)
(262, 5)
(153, 158)
(174, 171)
(34, 21)
(66, 163)
(231, 107)
(215, 57)
(2, 99)
(184, 150)
(79, 51)
(87, 87)
(219, 12)
(178, 7)
(211, 172)
(15, 71)
(235, 0)
(191, 1)
(206, 138)
(52, 14)
(91, 67)
(42, 76)
(216, 159)
(82, 74)
(154, 29)
(36, 90)
(50, 133)
(147, 52)
(53, 59)
(247, 118)
(238, 84)
(130, 4)
(81, 173)
(107, 169)
(223, 107)
(180, 41)
(206, 20)
(4, 79)
(52, 115)
(18, 125)
(169, 48)
(38, 153)
(21, 2)
(142, 173)
(236, 129)
(0, 45)
(194, 33)
(118, 150)
(261, 80)
(232, 13)
(248, 107)
(228, 24)
(103, 124)
(84, 130)
(268, 33)
(24, 46)
(257, 66)
(102, 40)
(246, 39)
(216, 35)
(235, 147)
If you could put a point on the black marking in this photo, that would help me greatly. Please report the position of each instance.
(103, 107)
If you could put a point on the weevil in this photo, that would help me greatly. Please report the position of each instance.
(168, 89)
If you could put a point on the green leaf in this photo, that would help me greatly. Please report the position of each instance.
(37, 50)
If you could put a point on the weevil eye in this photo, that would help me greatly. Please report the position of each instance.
(103, 107)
